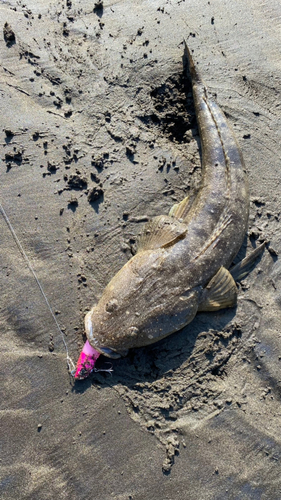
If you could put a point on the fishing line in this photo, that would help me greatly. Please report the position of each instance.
(70, 363)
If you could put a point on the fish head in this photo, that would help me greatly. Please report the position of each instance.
(139, 307)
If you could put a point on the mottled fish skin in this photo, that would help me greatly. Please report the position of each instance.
(182, 261)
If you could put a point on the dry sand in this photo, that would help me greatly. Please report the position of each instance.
(96, 135)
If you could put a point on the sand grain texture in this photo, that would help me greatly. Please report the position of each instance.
(97, 133)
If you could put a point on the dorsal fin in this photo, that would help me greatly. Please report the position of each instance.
(161, 231)
(181, 209)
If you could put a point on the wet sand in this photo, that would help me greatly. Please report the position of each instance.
(98, 133)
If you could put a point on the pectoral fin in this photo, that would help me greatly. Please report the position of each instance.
(220, 292)
(161, 231)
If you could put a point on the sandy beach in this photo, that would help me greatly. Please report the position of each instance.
(98, 133)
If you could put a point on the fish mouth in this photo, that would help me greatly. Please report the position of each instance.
(88, 324)
(108, 352)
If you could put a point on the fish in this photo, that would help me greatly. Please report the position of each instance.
(182, 264)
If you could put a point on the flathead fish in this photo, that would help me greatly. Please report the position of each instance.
(183, 259)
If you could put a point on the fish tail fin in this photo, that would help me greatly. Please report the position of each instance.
(187, 58)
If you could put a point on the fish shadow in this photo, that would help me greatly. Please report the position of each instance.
(151, 363)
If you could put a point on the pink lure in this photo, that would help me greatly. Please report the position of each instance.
(86, 362)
